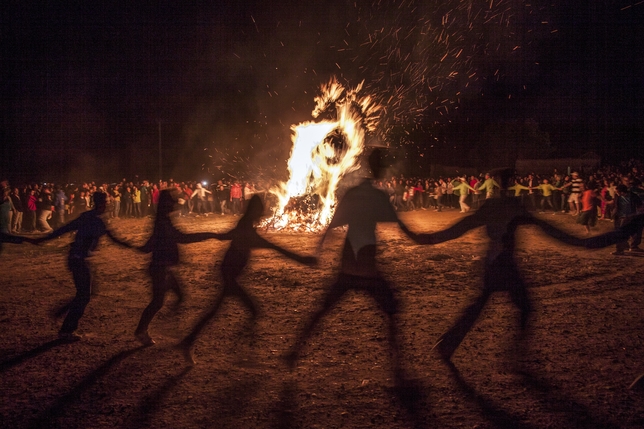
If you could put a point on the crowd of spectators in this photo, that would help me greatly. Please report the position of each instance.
(555, 192)
(591, 195)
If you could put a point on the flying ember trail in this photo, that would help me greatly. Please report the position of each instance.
(323, 152)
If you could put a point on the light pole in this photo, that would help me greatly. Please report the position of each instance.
(160, 154)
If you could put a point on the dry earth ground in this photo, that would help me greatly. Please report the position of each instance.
(585, 350)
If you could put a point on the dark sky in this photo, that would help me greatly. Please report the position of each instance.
(86, 86)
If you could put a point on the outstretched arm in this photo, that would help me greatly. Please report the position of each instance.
(201, 236)
(307, 260)
(117, 240)
(598, 242)
(71, 226)
(407, 232)
(553, 231)
(455, 231)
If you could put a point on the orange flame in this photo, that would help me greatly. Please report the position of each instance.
(316, 165)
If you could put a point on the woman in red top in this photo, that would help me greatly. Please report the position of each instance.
(155, 197)
(31, 209)
(588, 216)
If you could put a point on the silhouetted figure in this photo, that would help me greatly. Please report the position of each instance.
(14, 239)
(362, 208)
(242, 238)
(501, 217)
(89, 228)
(163, 244)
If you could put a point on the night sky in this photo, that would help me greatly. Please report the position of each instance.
(89, 88)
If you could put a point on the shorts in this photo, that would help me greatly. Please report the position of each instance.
(573, 198)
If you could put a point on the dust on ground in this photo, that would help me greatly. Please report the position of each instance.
(585, 349)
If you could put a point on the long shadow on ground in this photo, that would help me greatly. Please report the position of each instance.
(495, 415)
(577, 415)
(150, 404)
(30, 354)
(414, 398)
(58, 408)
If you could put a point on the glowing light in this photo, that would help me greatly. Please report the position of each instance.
(323, 153)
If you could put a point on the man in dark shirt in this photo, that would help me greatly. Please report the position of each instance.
(626, 205)
(89, 228)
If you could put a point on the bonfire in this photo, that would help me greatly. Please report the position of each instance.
(324, 151)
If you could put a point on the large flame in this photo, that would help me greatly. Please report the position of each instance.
(318, 161)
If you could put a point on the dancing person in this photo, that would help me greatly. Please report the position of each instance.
(546, 192)
(362, 208)
(32, 207)
(575, 193)
(488, 186)
(89, 228)
(588, 201)
(501, 217)
(462, 187)
(200, 193)
(243, 238)
(60, 199)
(163, 244)
(532, 183)
(439, 192)
(627, 205)
(223, 195)
(517, 188)
(45, 207)
(236, 197)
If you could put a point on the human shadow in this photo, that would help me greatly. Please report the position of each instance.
(47, 417)
(495, 415)
(17, 360)
(232, 401)
(413, 396)
(501, 218)
(576, 414)
(362, 208)
(286, 407)
(243, 238)
(410, 394)
(151, 403)
(164, 246)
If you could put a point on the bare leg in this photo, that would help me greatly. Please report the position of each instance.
(158, 275)
(233, 288)
(173, 284)
(82, 280)
(186, 344)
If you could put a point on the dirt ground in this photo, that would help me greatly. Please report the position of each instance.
(585, 350)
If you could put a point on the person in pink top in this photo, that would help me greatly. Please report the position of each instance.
(31, 210)
(155, 197)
